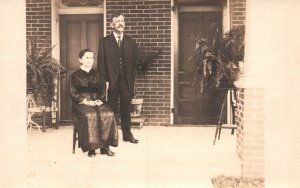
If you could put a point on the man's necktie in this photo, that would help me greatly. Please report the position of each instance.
(119, 41)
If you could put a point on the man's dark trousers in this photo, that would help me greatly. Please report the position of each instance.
(121, 90)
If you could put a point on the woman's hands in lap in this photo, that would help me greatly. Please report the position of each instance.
(91, 102)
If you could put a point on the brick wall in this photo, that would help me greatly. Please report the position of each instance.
(238, 12)
(149, 22)
(38, 21)
(38, 28)
(250, 134)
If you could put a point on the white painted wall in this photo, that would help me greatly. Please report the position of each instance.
(226, 16)
(12, 95)
(174, 53)
(273, 55)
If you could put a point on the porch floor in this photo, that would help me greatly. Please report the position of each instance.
(165, 157)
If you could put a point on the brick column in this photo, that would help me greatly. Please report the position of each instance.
(272, 50)
(250, 98)
(250, 134)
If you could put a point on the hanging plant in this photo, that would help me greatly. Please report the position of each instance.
(147, 55)
(42, 70)
(217, 58)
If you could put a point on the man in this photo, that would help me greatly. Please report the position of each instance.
(117, 59)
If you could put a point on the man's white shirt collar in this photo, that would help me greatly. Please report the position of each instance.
(116, 36)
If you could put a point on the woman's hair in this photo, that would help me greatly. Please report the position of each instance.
(82, 52)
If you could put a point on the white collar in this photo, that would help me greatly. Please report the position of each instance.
(116, 36)
(86, 69)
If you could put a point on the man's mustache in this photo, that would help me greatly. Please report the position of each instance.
(120, 26)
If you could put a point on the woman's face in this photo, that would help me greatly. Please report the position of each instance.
(87, 59)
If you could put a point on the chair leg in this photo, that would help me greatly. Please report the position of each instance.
(56, 125)
(74, 138)
(44, 120)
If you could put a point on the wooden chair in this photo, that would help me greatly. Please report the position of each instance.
(75, 132)
(220, 124)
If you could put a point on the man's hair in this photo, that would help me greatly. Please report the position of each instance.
(82, 52)
(115, 15)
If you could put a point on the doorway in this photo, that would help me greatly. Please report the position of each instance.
(192, 106)
(77, 32)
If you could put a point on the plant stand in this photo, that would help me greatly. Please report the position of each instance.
(138, 120)
(229, 99)
(31, 110)
(52, 111)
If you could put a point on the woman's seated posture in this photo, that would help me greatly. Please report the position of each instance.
(94, 120)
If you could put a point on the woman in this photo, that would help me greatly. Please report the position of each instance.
(93, 118)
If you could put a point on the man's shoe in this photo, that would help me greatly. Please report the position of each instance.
(130, 139)
(91, 153)
(107, 151)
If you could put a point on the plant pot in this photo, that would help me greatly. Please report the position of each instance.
(136, 107)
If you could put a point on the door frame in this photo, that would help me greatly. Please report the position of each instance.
(176, 9)
(57, 9)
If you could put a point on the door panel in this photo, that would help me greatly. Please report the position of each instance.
(191, 106)
(77, 32)
(73, 38)
(93, 34)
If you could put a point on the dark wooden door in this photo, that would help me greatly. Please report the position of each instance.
(192, 106)
(77, 32)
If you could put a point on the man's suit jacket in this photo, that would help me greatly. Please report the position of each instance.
(109, 63)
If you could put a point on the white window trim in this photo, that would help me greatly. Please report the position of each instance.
(200, 9)
(79, 10)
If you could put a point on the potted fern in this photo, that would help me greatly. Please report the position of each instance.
(218, 58)
(42, 70)
(147, 54)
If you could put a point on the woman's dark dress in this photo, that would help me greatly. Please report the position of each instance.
(96, 125)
